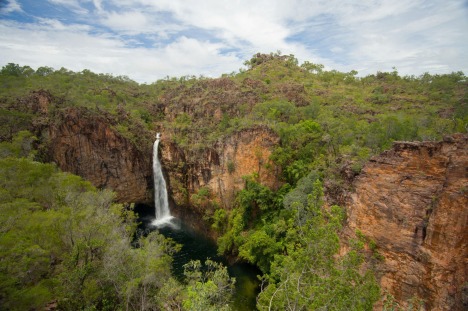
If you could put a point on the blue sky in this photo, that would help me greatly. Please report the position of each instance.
(151, 39)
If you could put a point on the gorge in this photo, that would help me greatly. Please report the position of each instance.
(240, 161)
(415, 189)
(195, 246)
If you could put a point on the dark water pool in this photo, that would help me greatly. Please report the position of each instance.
(197, 247)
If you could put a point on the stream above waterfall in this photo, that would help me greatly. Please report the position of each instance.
(196, 246)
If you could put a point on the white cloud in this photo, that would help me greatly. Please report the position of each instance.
(75, 49)
(171, 37)
(97, 4)
(426, 38)
(10, 7)
(47, 24)
(374, 35)
(137, 22)
(128, 22)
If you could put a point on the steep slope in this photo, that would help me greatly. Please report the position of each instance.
(88, 146)
(413, 202)
(217, 171)
(278, 121)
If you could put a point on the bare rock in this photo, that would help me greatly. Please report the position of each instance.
(413, 202)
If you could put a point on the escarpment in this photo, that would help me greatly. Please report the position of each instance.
(413, 202)
(407, 205)
(93, 144)
(88, 146)
(219, 170)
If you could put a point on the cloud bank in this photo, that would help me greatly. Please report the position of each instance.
(151, 39)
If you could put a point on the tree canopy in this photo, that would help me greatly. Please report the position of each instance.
(66, 244)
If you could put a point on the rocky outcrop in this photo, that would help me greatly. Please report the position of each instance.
(413, 202)
(86, 144)
(38, 102)
(220, 168)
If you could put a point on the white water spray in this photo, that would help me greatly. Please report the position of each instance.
(161, 204)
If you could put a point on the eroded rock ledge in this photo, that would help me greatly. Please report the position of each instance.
(413, 202)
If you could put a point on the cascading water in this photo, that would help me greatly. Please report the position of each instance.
(194, 245)
(161, 204)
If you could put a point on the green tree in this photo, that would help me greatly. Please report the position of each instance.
(209, 286)
(310, 277)
(21, 146)
(62, 240)
(44, 71)
(11, 69)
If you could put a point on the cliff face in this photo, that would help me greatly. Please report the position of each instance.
(413, 202)
(88, 146)
(221, 167)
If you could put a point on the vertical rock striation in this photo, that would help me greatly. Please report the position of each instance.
(413, 202)
(220, 168)
(89, 147)
(86, 144)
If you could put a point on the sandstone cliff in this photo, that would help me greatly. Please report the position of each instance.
(88, 146)
(219, 168)
(413, 202)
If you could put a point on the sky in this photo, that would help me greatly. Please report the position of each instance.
(148, 40)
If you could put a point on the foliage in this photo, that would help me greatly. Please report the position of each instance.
(413, 304)
(21, 146)
(309, 276)
(201, 199)
(326, 121)
(209, 287)
(252, 202)
(219, 220)
(64, 242)
(356, 116)
(231, 167)
(13, 122)
(295, 246)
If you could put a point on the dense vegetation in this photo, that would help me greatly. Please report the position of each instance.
(65, 245)
(295, 247)
(329, 124)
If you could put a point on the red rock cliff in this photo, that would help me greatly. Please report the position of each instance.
(221, 167)
(88, 146)
(413, 202)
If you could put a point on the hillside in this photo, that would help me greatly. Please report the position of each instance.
(257, 159)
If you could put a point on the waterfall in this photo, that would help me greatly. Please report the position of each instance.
(161, 204)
